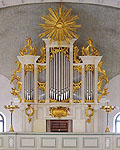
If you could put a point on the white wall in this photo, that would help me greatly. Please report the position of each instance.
(5, 98)
(114, 97)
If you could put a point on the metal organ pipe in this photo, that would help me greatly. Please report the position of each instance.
(89, 85)
(54, 80)
(59, 76)
(62, 77)
(59, 89)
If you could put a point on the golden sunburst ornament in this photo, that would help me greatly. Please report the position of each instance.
(59, 25)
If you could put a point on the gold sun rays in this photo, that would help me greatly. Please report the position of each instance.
(59, 25)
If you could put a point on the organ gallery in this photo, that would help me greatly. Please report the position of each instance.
(60, 75)
(63, 84)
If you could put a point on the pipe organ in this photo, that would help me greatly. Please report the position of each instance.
(59, 82)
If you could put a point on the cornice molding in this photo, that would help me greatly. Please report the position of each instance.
(8, 3)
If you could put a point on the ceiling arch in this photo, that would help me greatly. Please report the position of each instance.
(8, 3)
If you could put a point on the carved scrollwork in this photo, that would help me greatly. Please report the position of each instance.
(28, 49)
(29, 67)
(16, 91)
(78, 68)
(103, 91)
(89, 67)
(42, 86)
(76, 86)
(40, 68)
(59, 111)
(55, 50)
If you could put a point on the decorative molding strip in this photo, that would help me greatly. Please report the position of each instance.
(11, 142)
(117, 142)
(1, 142)
(48, 142)
(69, 143)
(90, 142)
(8, 3)
(27, 142)
(107, 142)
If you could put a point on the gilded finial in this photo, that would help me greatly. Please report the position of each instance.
(90, 50)
(28, 49)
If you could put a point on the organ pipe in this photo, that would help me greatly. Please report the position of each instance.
(60, 74)
(89, 91)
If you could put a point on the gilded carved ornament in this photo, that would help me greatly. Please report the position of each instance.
(56, 101)
(42, 86)
(89, 67)
(76, 86)
(28, 100)
(103, 77)
(59, 111)
(76, 101)
(90, 50)
(89, 113)
(75, 55)
(59, 25)
(28, 49)
(41, 101)
(29, 112)
(78, 68)
(29, 67)
(42, 58)
(89, 101)
(41, 68)
(55, 50)
(16, 91)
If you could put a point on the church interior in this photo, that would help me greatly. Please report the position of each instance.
(59, 75)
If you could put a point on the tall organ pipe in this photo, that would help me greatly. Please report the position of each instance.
(59, 76)
(59, 89)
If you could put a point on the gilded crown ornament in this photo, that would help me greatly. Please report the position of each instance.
(59, 25)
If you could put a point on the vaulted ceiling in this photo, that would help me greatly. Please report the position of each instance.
(7, 3)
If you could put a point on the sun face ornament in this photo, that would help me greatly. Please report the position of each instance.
(59, 25)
